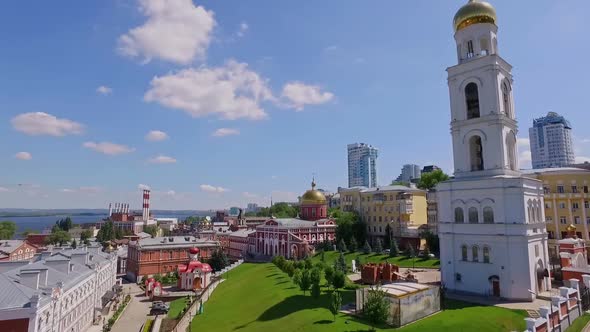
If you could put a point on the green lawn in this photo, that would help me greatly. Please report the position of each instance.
(260, 297)
(401, 261)
(579, 323)
(176, 306)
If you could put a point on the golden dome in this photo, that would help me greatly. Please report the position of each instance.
(474, 12)
(570, 228)
(313, 196)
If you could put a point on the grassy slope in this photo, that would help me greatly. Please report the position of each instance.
(401, 261)
(260, 297)
(579, 323)
(176, 306)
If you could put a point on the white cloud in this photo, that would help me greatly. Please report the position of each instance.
(274, 177)
(175, 31)
(40, 123)
(67, 190)
(3, 190)
(582, 159)
(23, 156)
(104, 90)
(231, 92)
(108, 148)
(162, 160)
(156, 136)
(171, 193)
(90, 190)
(142, 186)
(330, 48)
(242, 29)
(212, 189)
(249, 195)
(524, 150)
(299, 94)
(221, 132)
(585, 140)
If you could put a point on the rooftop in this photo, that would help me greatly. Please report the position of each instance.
(174, 241)
(382, 188)
(403, 288)
(8, 246)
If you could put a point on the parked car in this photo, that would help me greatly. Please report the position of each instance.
(159, 306)
(386, 251)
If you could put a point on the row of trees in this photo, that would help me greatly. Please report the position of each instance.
(278, 210)
(7, 230)
(218, 260)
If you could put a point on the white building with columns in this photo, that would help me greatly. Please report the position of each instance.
(63, 290)
(493, 240)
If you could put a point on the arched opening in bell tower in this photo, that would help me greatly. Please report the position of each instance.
(506, 100)
(511, 150)
(472, 100)
(476, 153)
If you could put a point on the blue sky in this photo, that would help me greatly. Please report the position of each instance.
(251, 99)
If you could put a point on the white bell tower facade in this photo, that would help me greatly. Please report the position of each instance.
(491, 219)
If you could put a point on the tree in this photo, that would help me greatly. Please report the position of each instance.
(428, 181)
(329, 275)
(335, 303)
(28, 231)
(315, 275)
(432, 241)
(7, 230)
(218, 260)
(353, 245)
(411, 252)
(289, 268)
(378, 246)
(342, 263)
(64, 224)
(393, 248)
(389, 232)
(426, 251)
(305, 281)
(400, 183)
(339, 280)
(367, 248)
(359, 229)
(316, 290)
(59, 237)
(297, 276)
(341, 245)
(151, 230)
(106, 232)
(323, 256)
(308, 264)
(85, 235)
(359, 261)
(376, 308)
(345, 222)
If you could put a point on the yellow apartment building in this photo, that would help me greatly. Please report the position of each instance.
(567, 201)
(403, 208)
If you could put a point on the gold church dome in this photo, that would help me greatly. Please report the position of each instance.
(474, 12)
(313, 196)
(570, 228)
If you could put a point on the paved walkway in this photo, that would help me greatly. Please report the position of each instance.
(137, 311)
(535, 305)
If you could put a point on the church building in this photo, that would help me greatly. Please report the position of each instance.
(493, 240)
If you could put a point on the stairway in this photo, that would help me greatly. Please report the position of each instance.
(533, 313)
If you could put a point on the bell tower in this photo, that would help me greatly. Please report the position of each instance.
(493, 239)
(483, 124)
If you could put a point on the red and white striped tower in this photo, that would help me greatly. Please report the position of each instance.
(146, 204)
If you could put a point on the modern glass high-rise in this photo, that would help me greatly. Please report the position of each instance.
(362, 165)
(409, 172)
(551, 142)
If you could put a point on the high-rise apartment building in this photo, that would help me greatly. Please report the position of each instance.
(362, 165)
(551, 142)
(409, 172)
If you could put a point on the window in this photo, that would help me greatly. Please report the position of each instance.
(536, 250)
(586, 204)
(472, 101)
(585, 189)
(588, 220)
(380, 229)
(473, 215)
(561, 205)
(475, 253)
(459, 215)
(576, 220)
(488, 215)
(560, 189)
(575, 205)
(464, 253)
(511, 144)
(470, 52)
(476, 153)
(374, 228)
(380, 219)
(575, 189)
(170, 255)
(486, 254)
(547, 205)
(506, 99)
(546, 190)
(562, 220)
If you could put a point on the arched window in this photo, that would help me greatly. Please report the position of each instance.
(539, 212)
(506, 100)
(464, 253)
(476, 153)
(511, 150)
(486, 254)
(475, 253)
(472, 101)
(488, 215)
(459, 218)
(473, 215)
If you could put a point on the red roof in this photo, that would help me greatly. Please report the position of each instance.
(194, 250)
(194, 265)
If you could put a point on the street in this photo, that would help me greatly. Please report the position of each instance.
(136, 313)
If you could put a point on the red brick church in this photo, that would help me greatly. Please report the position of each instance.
(296, 237)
